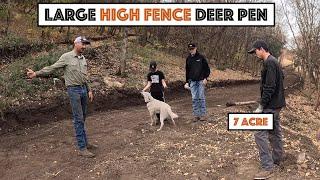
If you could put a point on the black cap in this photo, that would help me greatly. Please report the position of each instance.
(191, 45)
(257, 45)
(153, 65)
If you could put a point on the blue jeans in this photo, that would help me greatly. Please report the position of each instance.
(79, 102)
(198, 98)
(262, 138)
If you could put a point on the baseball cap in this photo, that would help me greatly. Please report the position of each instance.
(191, 45)
(153, 65)
(82, 39)
(258, 44)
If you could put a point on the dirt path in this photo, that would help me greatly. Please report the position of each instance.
(129, 148)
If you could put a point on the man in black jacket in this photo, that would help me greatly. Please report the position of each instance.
(197, 72)
(272, 100)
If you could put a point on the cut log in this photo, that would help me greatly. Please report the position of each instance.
(232, 103)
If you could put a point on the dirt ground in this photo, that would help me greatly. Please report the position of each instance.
(129, 148)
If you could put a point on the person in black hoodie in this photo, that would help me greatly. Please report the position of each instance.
(272, 100)
(197, 73)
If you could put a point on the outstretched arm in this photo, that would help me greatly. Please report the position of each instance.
(49, 69)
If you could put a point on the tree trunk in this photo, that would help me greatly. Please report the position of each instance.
(68, 37)
(318, 101)
(144, 36)
(102, 29)
(8, 18)
(123, 59)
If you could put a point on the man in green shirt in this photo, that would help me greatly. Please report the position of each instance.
(76, 79)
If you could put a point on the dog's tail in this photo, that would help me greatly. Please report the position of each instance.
(173, 115)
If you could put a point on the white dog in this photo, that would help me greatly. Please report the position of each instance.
(155, 106)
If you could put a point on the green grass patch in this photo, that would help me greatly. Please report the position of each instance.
(150, 53)
(15, 85)
(12, 40)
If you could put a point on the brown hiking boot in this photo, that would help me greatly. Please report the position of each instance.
(264, 174)
(91, 146)
(196, 119)
(203, 118)
(86, 153)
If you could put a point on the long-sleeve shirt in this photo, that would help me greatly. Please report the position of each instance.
(271, 89)
(74, 66)
(197, 68)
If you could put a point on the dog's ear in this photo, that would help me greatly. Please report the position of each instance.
(149, 97)
(145, 96)
(143, 93)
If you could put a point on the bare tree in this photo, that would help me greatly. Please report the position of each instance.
(124, 54)
(306, 13)
(8, 16)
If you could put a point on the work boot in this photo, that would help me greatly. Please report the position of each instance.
(280, 161)
(264, 174)
(196, 119)
(91, 146)
(203, 118)
(211, 120)
(86, 153)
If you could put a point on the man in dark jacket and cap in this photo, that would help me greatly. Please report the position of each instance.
(197, 73)
(272, 100)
